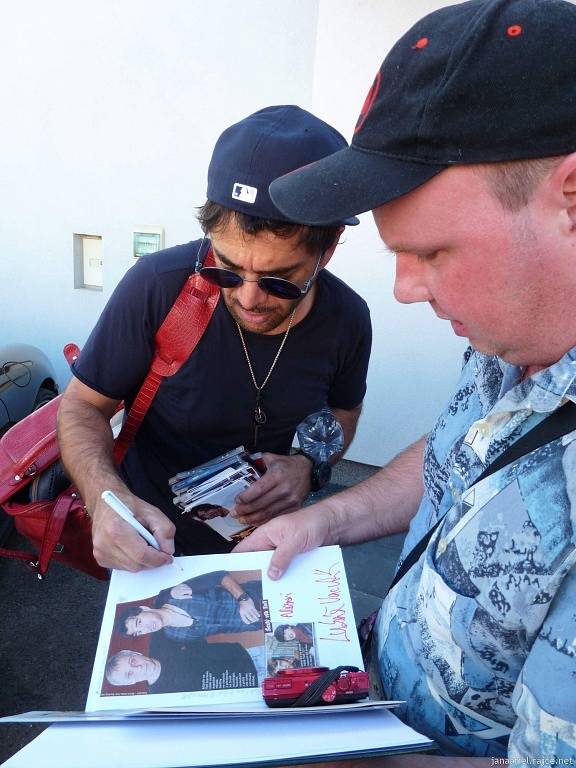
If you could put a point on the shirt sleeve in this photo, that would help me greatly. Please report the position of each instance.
(207, 581)
(117, 355)
(544, 696)
(349, 383)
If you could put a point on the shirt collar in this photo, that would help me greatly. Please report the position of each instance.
(542, 392)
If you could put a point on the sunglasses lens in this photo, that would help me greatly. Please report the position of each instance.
(282, 289)
(275, 286)
(224, 278)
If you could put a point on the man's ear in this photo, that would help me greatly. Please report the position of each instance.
(563, 185)
(329, 252)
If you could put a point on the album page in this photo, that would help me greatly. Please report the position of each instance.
(206, 630)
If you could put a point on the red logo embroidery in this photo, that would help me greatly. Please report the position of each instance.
(369, 102)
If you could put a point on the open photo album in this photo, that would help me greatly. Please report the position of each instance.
(207, 630)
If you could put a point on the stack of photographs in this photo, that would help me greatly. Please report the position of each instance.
(208, 492)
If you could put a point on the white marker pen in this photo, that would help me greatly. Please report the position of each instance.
(128, 516)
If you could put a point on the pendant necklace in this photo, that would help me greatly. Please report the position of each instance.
(259, 415)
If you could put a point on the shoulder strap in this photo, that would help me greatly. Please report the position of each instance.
(558, 423)
(176, 339)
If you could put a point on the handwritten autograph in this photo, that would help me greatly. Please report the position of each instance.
(333, 621)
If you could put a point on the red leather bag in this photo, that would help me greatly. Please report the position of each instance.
(60, 528)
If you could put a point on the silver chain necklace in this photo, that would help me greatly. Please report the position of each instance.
(259, 415)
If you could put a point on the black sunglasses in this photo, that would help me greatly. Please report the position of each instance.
(275, 286)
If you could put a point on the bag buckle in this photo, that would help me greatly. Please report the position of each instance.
(34, 567)
(30, 472)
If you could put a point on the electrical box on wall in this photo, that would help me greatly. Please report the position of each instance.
(88, 261)
(147, 239)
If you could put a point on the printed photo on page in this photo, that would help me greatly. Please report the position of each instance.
(213, 507)
(206, 630)
(208, 493)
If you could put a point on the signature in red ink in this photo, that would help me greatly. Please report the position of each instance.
(332, 578)
(333, 620)
(334, 625)
(287, 608)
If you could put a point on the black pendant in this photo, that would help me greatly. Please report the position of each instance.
(259, 416)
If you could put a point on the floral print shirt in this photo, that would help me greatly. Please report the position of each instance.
(479, 638)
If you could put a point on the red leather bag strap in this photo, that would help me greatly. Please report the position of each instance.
(175, 341)
(39, 562)
(14, 554)
(54, 528)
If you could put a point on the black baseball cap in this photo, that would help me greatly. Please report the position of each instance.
(478, 82)
(253, 152)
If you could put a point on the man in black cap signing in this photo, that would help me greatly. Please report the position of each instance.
(466, 153)
(286, 339)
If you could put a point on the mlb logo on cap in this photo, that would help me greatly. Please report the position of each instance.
(244, 193)
(253, 152)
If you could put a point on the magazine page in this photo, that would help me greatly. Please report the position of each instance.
(206, 630)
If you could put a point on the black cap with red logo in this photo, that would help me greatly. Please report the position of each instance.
(479, 82)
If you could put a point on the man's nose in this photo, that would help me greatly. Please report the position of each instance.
(410, 285)
(250, 295)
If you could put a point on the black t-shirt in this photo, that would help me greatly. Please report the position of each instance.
(207, 407)
(201, 666)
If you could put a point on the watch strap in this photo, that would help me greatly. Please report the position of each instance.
(321, 471)
(300, 452)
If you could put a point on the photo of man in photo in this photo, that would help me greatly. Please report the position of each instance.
(301, 633)
(279, 663)
(289, 646)
(205, 605)
(208, 511)
(173, 667)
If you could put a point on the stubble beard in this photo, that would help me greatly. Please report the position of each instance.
(275, 317)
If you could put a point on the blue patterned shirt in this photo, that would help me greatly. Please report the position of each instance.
(479, 638)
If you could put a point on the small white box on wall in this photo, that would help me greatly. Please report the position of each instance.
(88, 261)
(146, 239)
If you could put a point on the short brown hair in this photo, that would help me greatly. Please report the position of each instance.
(513, 183)
(214, 217)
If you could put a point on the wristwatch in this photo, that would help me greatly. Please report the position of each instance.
(321, 437)
(243, 597)
(321, 471)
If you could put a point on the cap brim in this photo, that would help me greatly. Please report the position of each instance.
(346, 183)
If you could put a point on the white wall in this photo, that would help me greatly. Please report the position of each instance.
(110, 111)
(415, 357)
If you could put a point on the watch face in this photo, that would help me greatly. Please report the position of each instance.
(321, 474)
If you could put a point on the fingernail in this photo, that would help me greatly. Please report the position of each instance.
(274, 573)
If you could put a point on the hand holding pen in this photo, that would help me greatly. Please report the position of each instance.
(128, 516)
(125, 543)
